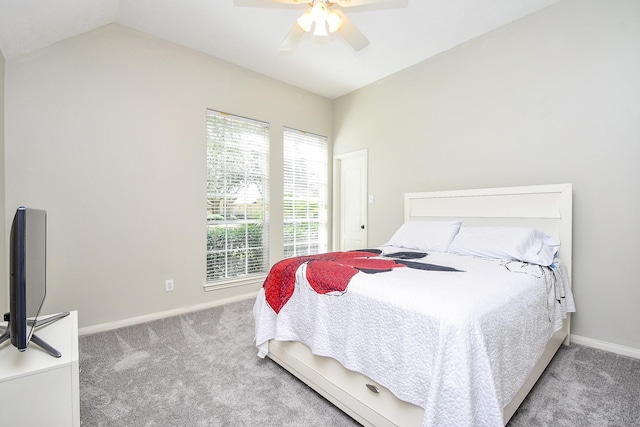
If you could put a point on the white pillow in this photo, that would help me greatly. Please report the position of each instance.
(515, 243)
(425, 235)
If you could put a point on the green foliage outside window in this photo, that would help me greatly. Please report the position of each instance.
(234, 250)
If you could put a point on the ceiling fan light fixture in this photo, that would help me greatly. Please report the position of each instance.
(321, 29)
(334, 22)
(320, 19)
(320, 12)
(305, 21)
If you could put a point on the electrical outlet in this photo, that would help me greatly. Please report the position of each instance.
(168, 285)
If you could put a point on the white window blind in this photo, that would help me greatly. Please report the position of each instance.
(305, 193)
(237, 196)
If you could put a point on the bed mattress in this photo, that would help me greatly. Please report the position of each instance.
(454, 335)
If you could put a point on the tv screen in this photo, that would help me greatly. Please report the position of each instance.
(27, 285)
(28, 273)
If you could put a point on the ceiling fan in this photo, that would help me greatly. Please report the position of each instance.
(321, 18)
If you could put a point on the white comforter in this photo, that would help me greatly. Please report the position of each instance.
(458, 344)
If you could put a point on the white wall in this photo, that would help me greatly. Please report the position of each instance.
(106, 131)
(552, 98)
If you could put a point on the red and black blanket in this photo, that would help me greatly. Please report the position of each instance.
(331, 272)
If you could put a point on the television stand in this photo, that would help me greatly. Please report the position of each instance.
(37, 389)
(34, 338)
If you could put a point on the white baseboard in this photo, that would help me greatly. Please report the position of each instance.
(606, 346)
(161, 315)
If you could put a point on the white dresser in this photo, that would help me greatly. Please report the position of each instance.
(37, 389)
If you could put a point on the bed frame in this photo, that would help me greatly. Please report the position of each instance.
(545, 207)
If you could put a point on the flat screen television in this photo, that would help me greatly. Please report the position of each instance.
(28, 277)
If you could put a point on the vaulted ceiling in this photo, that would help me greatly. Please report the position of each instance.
(401, 32)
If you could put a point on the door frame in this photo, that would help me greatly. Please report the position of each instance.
(337, 208)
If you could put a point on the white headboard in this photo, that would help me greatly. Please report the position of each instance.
(545, 207)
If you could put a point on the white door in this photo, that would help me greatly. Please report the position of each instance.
(352, 200)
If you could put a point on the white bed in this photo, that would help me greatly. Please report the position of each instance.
(546, 208)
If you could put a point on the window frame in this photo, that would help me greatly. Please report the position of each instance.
(297, 195)
(237, 200)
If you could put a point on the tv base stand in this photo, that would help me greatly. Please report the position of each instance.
(34, 338)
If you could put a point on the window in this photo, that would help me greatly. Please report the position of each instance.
(305, 193)
(237, 184)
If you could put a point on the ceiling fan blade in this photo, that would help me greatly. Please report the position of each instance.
(292, 39)
(351, 33)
